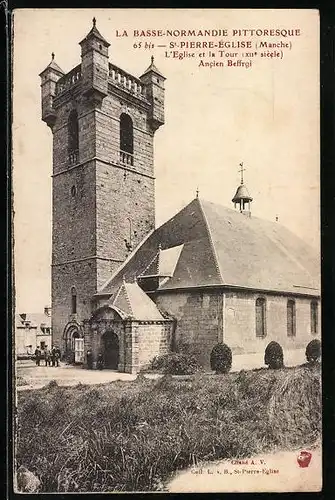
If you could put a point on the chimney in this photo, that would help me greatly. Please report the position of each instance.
(47, 311)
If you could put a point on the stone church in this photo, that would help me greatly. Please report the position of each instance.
(129, 291)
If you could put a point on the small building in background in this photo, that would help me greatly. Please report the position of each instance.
(32, 330)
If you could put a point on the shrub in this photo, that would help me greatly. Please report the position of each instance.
(175, 364)
(274, 356)
(193, 350)
(221, 358)
(313, 351)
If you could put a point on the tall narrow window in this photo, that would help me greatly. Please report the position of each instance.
(260, 317)
(291, 318)
(314, 317)
(126, 139)
(73, 137)
(73, 300)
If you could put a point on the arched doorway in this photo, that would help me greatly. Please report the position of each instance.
(73, 344)
(111, 350)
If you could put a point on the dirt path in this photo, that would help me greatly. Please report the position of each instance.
(277, 472)
(36, 377)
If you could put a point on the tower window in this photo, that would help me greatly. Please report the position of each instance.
(73, 300)
(291, 321)
(73, 191)
(260, 317)
(73, 137)
(314, 317)
(126, 139)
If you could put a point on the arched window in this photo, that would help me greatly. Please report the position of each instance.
(73, 137)
(291, 322)
(260, 317)
(73, 300)
(126, 139)
(314, 317)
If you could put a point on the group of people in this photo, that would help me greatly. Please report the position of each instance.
(51, 357)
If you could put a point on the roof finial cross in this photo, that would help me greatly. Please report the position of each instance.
(197, 192)
(241, 171)
(152, 59)
(94, 22)
(52, 56)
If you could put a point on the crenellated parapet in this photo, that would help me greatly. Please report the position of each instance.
(95, 77)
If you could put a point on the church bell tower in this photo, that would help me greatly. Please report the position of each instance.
(103, 121)
(242, 199)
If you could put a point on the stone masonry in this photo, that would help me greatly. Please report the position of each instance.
(103, 200)
(207, 317)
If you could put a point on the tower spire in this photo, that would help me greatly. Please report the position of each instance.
(241, 171)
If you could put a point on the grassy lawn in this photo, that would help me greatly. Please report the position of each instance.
(132, 436)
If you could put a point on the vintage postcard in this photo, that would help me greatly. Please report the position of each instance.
(166, 178)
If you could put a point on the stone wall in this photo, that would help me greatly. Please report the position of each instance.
(125, 210)
(25, 337)
(201, 321)
(82, 276)
(240, 322)
(150, 339)
(98, 201)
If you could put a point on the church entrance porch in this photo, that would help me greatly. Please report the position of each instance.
(124, 343)
(110, 353)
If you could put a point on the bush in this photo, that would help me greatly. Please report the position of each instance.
(313, 351)
(175, 364)
(221, 358)
(274, 356)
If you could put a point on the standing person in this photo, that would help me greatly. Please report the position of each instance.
(47, 356)
(37, 356)
(57, 356)
(53, 355)
(89, 360)
(100, 362)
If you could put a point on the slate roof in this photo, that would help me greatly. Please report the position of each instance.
(133, 302)
(223, 247)
(53, 65)
(153, 68)
(164, 262)
(95, 33)
(36, 320)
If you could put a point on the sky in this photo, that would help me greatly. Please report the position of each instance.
(266, 116)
